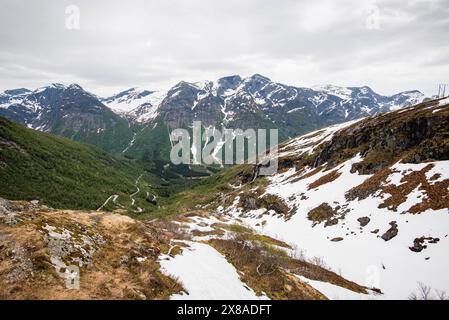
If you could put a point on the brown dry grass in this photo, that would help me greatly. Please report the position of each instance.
(251, 235)
(262, 271)
(321, 213)
(267, 201)
(369, 186)
(436, 194)
(299, 176)
(270, 270)
(331, 176)
(31, 275)
(399, 193)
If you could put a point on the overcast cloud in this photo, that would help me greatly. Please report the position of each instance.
(389, 45)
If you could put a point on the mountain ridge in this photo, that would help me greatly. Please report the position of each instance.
(129, 121)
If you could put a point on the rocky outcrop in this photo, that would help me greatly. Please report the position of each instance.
(419, 244)
(48, 253)
(392, 232)
(384, 139)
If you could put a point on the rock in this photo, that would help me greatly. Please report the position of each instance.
(363, 221)
(331, 222)
(7, 216)
(375, 231)
(4, 206)
(152, 199)
(34, 202)
(250, 204)
(419, 244)
(336, 239)
(392, 232)
(124, 260)
(10, 219)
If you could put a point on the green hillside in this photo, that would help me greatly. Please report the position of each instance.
(63, 173)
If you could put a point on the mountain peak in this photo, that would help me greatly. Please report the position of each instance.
(233, 78)
(17, 92)
(259, 77)
(75, 86)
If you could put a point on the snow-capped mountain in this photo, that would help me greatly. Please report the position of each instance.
(247, 102)
(68, 111)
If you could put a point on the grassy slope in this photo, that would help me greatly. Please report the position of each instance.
(59, 172)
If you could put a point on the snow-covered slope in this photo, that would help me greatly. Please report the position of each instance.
(139, 105)
(361, 254)
(370, 197)
(202, 272)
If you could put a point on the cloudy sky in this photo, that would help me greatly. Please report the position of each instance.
(389, 45)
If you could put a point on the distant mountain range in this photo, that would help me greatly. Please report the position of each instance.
(133, 121)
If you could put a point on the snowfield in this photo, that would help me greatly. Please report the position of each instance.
(206, 274)
(139, 104)
(361, 255)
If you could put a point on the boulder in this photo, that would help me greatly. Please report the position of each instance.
(363, 221)
(337, 239)
(392, 232)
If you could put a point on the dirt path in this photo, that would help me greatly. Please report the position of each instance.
(131, 196)
(113, 198)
